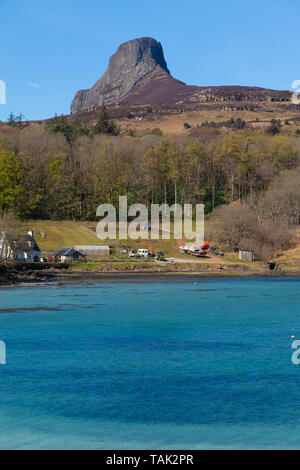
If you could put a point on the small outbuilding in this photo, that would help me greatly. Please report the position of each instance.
(68, 255)
(94, 250)
(246, 255)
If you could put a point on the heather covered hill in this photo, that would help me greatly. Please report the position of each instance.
(138, 74)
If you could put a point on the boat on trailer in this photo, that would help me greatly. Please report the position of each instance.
(199, 251)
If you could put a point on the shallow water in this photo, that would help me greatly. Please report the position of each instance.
(195, 364)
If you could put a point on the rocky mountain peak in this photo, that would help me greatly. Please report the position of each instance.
(132, 62)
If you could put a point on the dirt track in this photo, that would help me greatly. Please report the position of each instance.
(206, 260)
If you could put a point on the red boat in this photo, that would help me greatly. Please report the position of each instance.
(205, 246)
(198, 253)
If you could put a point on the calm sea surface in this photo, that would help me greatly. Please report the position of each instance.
(133, 365)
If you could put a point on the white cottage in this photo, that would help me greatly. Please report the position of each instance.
(19, 247)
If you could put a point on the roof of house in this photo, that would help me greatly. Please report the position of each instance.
(92, 247)
(19, 243)
(67, 252)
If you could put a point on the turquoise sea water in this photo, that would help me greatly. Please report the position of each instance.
(199, 364)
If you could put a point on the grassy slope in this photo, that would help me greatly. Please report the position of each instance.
(290, 259)
(52, 235)
(173, 123)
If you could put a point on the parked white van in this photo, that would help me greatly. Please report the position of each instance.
(142, 252)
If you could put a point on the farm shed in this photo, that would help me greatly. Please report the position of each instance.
(246, 255)
(94, 250)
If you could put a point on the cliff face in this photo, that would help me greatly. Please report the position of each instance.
(133, 61)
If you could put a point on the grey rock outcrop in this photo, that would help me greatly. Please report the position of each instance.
(133, 61)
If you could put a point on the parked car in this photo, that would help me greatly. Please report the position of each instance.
(132, 254)
(142, 252)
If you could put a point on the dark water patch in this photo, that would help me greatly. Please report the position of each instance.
(31, 309)
(89, 306)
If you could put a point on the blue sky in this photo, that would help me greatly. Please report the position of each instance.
(51, 49)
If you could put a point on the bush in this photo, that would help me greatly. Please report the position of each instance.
(129, 133)
(274, 128)
(239, 123)
(154, 131)
(16, 121)
(236, 227)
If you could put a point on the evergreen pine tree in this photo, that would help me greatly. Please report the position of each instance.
(104, 125)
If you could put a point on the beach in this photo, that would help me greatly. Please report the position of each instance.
(16, 273)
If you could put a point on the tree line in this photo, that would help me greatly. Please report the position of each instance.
(60, 172)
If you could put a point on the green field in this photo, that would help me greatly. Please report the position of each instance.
(52, 235)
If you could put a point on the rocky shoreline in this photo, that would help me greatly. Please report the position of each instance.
(15, 274)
